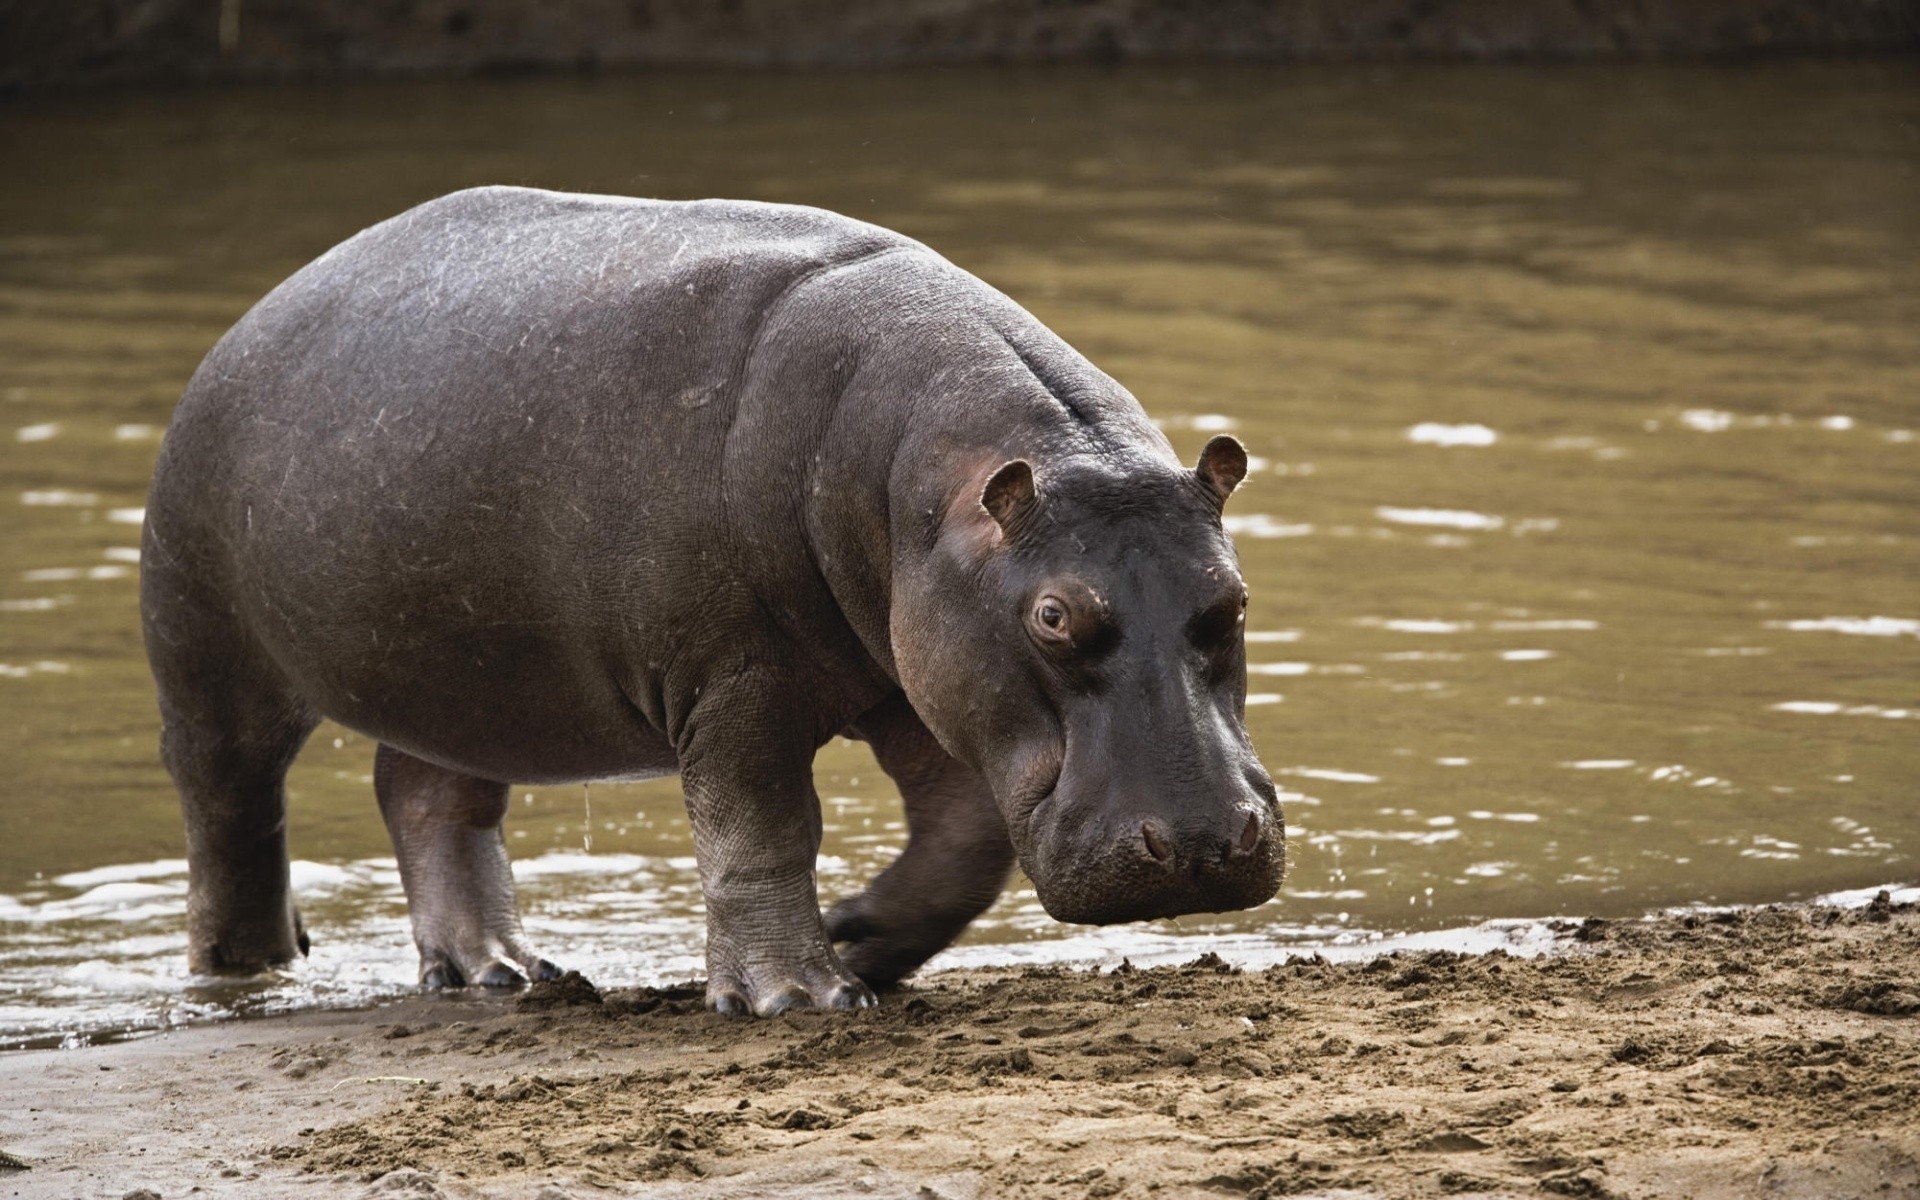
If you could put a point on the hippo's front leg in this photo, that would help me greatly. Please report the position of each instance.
(748, 776)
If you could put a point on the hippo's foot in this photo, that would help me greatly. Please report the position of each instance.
(883, 942)
(235, 946)
(918, 905)
(949, 874)
(767, 952)
(769, 989)
(487, 963)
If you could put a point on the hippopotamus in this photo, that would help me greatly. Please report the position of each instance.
(531, 487)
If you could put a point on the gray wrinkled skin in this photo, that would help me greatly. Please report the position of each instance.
(534, 488)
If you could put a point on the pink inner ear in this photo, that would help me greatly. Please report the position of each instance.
(1223, 464)
(1008, 492)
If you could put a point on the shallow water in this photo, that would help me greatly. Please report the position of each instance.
(1582, 535)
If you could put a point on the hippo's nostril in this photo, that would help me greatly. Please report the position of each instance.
(1156, 843)
(1249, 834)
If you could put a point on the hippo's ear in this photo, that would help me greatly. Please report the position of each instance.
(1009, 494)
(1223, 464)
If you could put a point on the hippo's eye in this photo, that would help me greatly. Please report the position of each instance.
(1051, 615)
(1216, 628)
(1050, 618)
(1070, 622)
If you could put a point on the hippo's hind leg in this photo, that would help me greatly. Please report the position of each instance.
(956, 862)
(453, 863)
(228, 735)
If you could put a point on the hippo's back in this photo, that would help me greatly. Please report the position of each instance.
(512, 282)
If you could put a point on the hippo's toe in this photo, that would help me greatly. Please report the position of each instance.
(785, 999)
(500, 975)
(849, 996)
(443, 970)
(774, 992)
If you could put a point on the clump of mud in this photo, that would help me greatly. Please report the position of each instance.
(1713, 1054)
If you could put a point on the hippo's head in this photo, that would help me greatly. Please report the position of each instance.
(1077, 635)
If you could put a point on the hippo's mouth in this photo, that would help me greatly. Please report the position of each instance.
(1029, 814)
(1023, 830)
(1034, 811)
(1033, 791)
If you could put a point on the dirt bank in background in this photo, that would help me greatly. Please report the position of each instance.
(1769, 1052)
(55, 42)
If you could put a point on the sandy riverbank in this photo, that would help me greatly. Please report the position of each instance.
(1768, 1052)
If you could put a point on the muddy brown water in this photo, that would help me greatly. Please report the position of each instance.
(1582, 534)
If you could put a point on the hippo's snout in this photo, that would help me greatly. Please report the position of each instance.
(1162, 863)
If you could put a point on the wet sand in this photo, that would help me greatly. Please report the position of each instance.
(1772, 1051)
